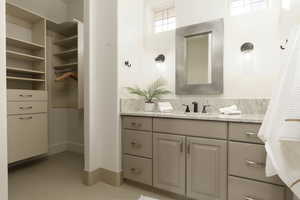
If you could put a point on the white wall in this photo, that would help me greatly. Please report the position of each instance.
(3, 135)
(75, 9)
(55, 10)
(137, 44)
(244, 76)
(102, 137)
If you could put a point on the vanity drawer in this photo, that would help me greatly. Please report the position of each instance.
(244, 132)
(137, 169)
(26, 136)
(196, 128)
(26, 95)
(243, 189)
(14, 108)
(248, 160)
(138, 123)
(137, 143)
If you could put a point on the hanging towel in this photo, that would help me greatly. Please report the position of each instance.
(281, 127)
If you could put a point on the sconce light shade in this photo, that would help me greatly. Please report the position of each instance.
(247, 47)
(160, 58)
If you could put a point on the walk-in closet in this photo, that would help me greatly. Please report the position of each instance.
(44, 51)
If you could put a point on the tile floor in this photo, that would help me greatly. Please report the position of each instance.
(59, 178)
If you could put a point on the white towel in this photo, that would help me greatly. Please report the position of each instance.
(146, 198)
(230, 110)
(281, 127)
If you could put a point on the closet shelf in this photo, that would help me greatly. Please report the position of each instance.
(24, 79)
(67, 54)
(24, 71)
(23, 44)
(64, 66)
(23, 56)
(67, 42)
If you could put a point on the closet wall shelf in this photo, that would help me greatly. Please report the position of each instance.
(64, 66)
(67, 42)
(23, 44)
(23, 56)
(23, 71)
(24, 79)
(67, 54)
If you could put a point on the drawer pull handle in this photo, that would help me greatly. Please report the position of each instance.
(135, 171)
(26, 108)
(188, 148)
(135, 144)
(25, 118)
(134, 124)
(255, 164)
(251, 134)
(250, 198)
(181, 146)
(25, 96)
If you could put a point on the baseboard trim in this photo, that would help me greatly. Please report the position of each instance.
(67, 146)
(104, 175)
(75, 147)
(57, 148)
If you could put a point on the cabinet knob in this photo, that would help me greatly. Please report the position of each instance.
(135, 171)
(135, 144)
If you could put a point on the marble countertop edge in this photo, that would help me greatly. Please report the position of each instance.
(244, 118)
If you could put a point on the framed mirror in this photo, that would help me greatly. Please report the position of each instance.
(199, 59)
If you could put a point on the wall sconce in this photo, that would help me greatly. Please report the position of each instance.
(247, 47)
(127, 63)
(160, 58)
(160, 63)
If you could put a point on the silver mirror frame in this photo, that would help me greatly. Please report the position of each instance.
(216, 86)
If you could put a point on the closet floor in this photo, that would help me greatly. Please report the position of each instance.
(59, 178)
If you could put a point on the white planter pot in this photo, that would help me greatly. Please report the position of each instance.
(149, 107)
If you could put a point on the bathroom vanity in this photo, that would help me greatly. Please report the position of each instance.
(205, 157)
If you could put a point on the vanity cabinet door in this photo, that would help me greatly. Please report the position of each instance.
(206, 169)
(169, 163)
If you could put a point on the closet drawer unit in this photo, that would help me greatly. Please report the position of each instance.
(138, 123)
(244, 132)
(26, 95)
(243, 189)
(137, 169)
(27, 136)
(14, 108)
(196, 128)
(137, 143)
(248, 160)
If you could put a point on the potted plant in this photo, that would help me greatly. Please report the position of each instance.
(154, 92)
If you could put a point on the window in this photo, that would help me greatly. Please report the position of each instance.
(164, 20)
(244, 6)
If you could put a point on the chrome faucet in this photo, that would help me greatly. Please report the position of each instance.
(195, 107)
(204, 108)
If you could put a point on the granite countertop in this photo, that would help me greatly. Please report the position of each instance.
(246, 118)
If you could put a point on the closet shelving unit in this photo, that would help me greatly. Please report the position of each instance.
(26, 84)
(26, 49)
(65, 55)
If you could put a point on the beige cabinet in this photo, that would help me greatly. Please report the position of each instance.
(169, 163)
(27, 136)
(206, 169)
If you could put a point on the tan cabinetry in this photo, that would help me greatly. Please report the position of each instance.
(201, 160)
(169, 163)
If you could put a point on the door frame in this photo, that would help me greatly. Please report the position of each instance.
(3, 125)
